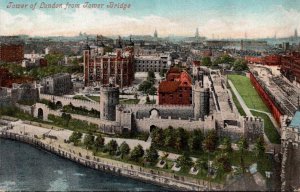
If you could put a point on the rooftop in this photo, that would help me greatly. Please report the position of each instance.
(296, 120)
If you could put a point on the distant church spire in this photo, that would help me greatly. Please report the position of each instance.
(197, 33)
(155, 34)
(296, 33)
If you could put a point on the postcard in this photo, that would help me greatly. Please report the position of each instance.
(139, 95)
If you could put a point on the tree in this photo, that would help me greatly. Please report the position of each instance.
(184, 161)
(202, 164)
(259, 147)
(53, 59)
(66, 117)
(162, 73)
(181, 141)
(157, 137)
(99, 143)
(226, 59)
(195, 141)
(137, 153)
(223, 163)
(124, 149)
(211, 141)
(88, 140)
(112, 147)
(227, 145)
(169, 137)
(243, 144)
(151, 76)
(206, 61)
(152, 91)
(145, 86)
(75, 137)
(240, 65)
(151, 155)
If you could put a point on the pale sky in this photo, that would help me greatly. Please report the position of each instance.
(223, 18)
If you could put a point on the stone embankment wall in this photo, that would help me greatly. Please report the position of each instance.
(122, 169)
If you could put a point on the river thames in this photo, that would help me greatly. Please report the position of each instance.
(23, 167)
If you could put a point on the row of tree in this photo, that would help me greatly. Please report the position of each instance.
(181, 140)
(237, 64)
(112, 148)
(222, 161)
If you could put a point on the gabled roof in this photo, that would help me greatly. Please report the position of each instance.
(185, 79)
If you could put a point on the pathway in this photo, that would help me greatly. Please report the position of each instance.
(62, 134)
(240, 99)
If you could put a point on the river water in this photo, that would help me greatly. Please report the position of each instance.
(23, 167)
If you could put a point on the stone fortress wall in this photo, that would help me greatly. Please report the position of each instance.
(115, 117)
(75, 102)
(41, 110)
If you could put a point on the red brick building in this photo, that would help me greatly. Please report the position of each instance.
(11, 52)
(101, 68)
(267, 60)
(272, 60)
(177, 89)
(290, 66)
(5, 78)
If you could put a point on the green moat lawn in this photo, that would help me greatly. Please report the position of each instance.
(253, 101)
(248, 92)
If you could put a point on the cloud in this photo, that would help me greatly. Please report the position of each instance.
(276, 19)
(90, 21)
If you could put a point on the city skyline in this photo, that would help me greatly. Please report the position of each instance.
(218, 19)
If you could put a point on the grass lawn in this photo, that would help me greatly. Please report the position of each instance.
(270, 130)
(248, 92)
(95, 98)
(129, 101)
(80, 97)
